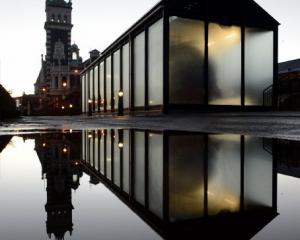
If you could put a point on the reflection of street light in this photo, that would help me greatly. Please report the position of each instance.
(65, 150)
(76, 71)
(71, 105)
(63, 107)
(44, 89)
(44, 144)
(64, 84)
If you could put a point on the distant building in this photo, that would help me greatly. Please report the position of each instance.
(289, 84)
(58, 83)
(188, 55)
(7, 105)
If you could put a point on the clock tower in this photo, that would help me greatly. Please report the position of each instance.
(58, 28)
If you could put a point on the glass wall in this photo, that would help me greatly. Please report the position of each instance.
(125, 75)
(155, 64)
(102, 86)
(96, 148)
(224, 173)
(87, 92)
(126, 162)
(108, 154)
(224, 54)
(139, 70)
(83, 94)
(139, 167)
(186, 176)
(259, 45)
(117, 158)
(116, 78)
(186, 63)
(156, 174)
(258, 174)
(91, 80)
(102, 153)
(96, 87)
(108, 83)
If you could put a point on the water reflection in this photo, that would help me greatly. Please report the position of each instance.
(182, 184)
(179, 182)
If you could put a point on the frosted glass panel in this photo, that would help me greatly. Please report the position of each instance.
(258, 64)
(96, 92)
(108, 155)
(224, 54)
(187, 41)
(224, 173)
(96, 148)
(108, 83)
(102, 85)
(156, 64)
(116, 77)
(126, 71)
(156, 174)
(87, 92)
(116, 159)
(102, 153)
(139, 167)
(139, 70)
(186, 176)
(83, 94)
(258, 174)
(126, 161)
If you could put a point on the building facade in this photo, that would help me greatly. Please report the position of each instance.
(58, 83)
(196, 55)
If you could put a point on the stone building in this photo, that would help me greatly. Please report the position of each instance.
(58, 83)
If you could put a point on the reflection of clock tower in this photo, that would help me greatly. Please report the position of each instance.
(58, 27)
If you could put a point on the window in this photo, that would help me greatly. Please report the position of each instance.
(102, 85)
(258, 67)
(96, 87)
(224, 55)
(108, 83)
(139, 70)
(116, 78)
(187, 42)
(156, 64)
(139, 169)
(125, 74)
(83, 93)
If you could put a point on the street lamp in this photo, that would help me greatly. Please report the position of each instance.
(90, 107)
(120, 103)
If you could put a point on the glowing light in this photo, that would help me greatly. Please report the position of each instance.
(62, 107)
(90, 101)
(64, 84)
(121, 145)
(65, 150)
(44, 144)
(71, 130)
(121, 94)
(71, 105)
(76, 71)
(44, 90)
(90, 135)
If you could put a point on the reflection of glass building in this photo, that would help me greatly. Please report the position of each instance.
(180, 181)
(187, 55)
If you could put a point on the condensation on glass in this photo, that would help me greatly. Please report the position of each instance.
(116, 78)
(258, 173)
(139, 167)
(96, 87)
(155, 64)
(259, 69)
(186, 176)
(224, 173)
(102, 86)
(224, 56)
(125, 75)
(108, 83)
(139, 70)
(155, 174)
(186, 62)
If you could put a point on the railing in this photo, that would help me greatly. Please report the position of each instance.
(268, 96)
